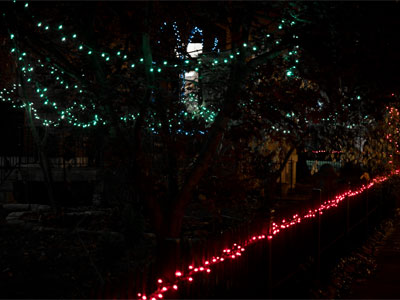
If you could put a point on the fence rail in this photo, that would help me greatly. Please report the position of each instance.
(7, 165)
(267, 267)
(65, 149)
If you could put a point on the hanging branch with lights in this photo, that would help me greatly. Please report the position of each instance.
(70, 112)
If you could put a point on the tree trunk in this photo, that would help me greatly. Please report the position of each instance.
(206, 155)
(43, 159)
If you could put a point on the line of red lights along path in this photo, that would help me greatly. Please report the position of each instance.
(237, 250)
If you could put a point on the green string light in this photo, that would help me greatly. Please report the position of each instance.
(165, 63)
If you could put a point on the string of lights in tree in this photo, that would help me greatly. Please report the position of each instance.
(27, 69)
(66, 113)
(59, 113)
(107, 55)
(193, 32)
(188, 63)
(348, 118)
(352, 122)
(112, 55)
(214, 48)
(287, 72)
(190, 99)
(292, 57)
(166, 288)
(393, 134)
(119, 54)
(124, 118)
(7, 95)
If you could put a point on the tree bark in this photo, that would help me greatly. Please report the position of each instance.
(44, 162)
(238, 74)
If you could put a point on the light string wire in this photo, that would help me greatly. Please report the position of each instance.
(237, 250)
(392, 137)
(41, 91)
(187, 62)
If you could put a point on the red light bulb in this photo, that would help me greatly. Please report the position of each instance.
(178, 273)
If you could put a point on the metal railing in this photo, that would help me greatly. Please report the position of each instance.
(267, 268)
(7, 165)
(64, 150)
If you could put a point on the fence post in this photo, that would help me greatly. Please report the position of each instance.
(269, 258)
(269, 279)
(316, 202)
(347, 223)
(366, 211)
(380, 210)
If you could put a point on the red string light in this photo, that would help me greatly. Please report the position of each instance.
(276, 227)
(324, 151)
(393, 118)
(178, 273)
